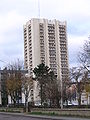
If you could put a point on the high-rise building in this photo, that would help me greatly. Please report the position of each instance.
(45, 41)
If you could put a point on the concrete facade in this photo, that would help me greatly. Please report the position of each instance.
(45, 41)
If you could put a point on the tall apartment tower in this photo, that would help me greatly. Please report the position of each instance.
(45, 41)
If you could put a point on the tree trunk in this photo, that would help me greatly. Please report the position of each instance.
(79, 99)
(79, 94)
(50, 103)
(41, 95)
(57, 102)
(26, 105)
(18, 98)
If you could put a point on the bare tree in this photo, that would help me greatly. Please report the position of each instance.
(66, 84)
(51, 90)
(14, 81)
(84, 55)
(27, 86)
(18, 82)
(84, 59)
(77, 78)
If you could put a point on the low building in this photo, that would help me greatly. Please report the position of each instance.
(3, 91)
(85, 98)
(73, 100)
(5, 99)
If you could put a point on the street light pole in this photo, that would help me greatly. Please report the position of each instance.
(61, 88)
(61, 94)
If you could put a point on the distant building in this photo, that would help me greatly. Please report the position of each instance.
(3, 91)
(85, 98)
(5, 99)
(73, 100)
(45, 41)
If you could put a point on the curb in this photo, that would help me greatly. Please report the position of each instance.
(43, 116)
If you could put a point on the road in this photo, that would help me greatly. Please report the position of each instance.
(11, 116)
(16, 117)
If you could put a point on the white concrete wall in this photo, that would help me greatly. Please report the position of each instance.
(35, 42)
(9, 99)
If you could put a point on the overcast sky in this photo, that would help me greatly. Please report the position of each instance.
(15, 13)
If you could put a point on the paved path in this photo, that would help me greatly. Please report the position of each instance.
(11, 117)
(20, 116)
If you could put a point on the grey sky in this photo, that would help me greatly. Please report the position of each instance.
(15, 13)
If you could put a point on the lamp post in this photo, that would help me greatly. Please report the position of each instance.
(61, 88)
(61, 94)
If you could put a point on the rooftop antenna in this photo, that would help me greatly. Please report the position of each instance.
(38, 8)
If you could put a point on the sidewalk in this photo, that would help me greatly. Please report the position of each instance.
(44, 116)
